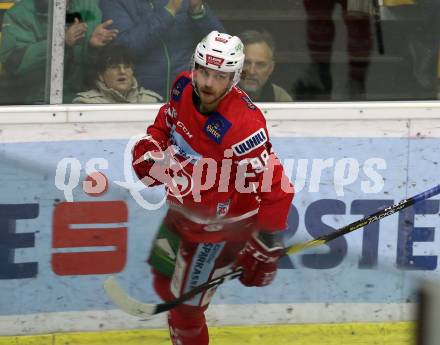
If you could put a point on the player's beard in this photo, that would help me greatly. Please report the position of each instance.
(210, 101)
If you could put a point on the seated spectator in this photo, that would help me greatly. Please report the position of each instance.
(25, 48)
(115, 82)
(162, 35)
(259, 64)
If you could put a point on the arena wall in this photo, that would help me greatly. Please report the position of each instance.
(61, 238)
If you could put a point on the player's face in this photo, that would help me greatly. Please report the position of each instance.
(258, 66)
(211, 86)
(118, 77)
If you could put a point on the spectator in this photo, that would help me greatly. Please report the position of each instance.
(317, 81)
(161, 34)
(259, 49)
(114, 81)
(24, 48)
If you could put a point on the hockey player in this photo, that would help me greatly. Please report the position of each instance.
(227, 194)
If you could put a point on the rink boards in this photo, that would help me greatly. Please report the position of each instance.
(62, 243)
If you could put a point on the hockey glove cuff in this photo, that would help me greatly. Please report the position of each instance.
(259, 258)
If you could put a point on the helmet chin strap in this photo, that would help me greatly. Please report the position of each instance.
(194, 84)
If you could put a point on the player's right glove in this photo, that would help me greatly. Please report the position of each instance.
(259, 258)
(155, 165)
(146, 153)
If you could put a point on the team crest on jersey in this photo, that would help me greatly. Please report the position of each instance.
(178, 88)
(223, 208)
(253, 141)
(216, 127)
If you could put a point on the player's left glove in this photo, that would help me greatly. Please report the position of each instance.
(259, 258)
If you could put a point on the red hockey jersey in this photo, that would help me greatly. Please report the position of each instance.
(228, 183)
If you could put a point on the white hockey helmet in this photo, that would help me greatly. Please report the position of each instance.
(221, 52)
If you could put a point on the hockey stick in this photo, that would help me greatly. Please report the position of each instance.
(136, 308)
(145, 310)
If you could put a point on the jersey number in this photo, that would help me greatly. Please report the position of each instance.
(258, 163)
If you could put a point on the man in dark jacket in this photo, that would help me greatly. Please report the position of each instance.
(259, 49)
(161, 34)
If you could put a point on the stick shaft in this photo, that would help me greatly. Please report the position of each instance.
(364, 221)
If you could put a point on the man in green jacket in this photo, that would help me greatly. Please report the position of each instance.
(25, 49)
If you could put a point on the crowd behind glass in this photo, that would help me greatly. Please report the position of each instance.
(129, 51)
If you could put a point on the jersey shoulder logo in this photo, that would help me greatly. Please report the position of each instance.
(179, 86)
(252, 142)
(216, 127)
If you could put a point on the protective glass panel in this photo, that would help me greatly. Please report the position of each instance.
(300, 50)
(337, 50)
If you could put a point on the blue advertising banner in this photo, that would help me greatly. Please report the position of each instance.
(72, 213)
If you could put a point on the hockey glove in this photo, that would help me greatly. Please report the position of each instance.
(259, 258)
(155, 165)
(146, 153)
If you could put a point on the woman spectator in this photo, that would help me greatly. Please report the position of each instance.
(114, 81)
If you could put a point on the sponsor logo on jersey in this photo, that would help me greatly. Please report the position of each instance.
(184, 129)
(179, 86)
(253, 141)
(213, 60)
(171, 114)
(221, 39)
(202, 264)
(216, 127)
(223, 208)
(249, 103)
